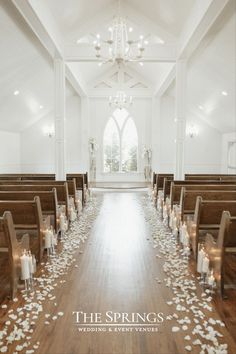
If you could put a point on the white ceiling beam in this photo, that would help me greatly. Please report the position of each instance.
(42, 23)
(161, 89)
(78, 87)
(158, 53)
(104, 93)
(201, 19)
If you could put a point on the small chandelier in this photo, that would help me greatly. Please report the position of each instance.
(120, 100)
(120, 47)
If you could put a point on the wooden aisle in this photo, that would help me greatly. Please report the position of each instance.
(116, 272)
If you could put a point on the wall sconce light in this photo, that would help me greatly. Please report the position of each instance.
(49, 131)
(192, 131)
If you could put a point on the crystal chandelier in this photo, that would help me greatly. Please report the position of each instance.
(119, 48)
(120, 100)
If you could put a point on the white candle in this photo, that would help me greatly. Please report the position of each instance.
(201, 255)
(31, 267)
(48, 242)
(205, 264)
(211, 280)
(25, 271)
(34, 263)
(54, 239)
(62, 221)
(186, 239)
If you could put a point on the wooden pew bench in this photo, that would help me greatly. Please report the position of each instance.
(61, 188)
(10, 252)
(188, 199)
(160, 178)
(176, 187)
(80, 184)
(219, 177)
(207, 218)
(220, 248)
(48, 201)
(28, 219)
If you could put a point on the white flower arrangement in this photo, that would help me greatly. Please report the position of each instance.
(93, 146)
(147, 153)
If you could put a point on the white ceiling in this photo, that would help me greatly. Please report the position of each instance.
(25, 65)
(213, 70)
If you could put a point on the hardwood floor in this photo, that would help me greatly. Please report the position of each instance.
(117, 267)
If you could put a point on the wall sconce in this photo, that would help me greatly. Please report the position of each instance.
(49, 131)
(192, 131)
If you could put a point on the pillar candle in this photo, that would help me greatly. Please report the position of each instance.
(205, 264)
(25, 271)
(34, 263)
(62, 220)
(48, 242)
(31, 267)
(201, 255)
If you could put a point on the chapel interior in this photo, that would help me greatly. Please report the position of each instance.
(118, 176)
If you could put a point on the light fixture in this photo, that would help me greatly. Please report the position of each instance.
(40, 107)
(192, 131)
(49, 131)
(201, 107)
(119, 48)
(120, 100)
(224, 93)
(16, 93)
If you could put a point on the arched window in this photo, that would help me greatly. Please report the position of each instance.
(120, 143)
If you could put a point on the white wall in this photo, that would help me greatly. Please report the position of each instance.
(202, 153)
(10, 152)
(226, 139)
(141, 112)
(38, 150)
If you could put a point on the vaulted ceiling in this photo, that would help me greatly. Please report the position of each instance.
(27, 67)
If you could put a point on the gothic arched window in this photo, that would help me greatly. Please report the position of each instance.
(120, 143)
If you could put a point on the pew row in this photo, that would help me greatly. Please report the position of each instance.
(219, 177)
(80, 180)
(176, 187)
(218, 249)
(188, 199)
(48, 201)
(10, 247)
(207, 218)
(27, 218)
(61, 188)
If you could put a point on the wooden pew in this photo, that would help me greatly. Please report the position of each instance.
(10, 246)
(176, 187)
(80, 183)
(219, 177)
(27, 176)
(27, 218)
(218, 249)
(207, 217)
(48, 201)
(158, 192)
(188, 198)
(61, 188)
(160, 179)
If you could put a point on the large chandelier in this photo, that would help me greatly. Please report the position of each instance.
(119, 48)
(120, 100)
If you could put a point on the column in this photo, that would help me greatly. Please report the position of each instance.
(59, 82)
(156, 134)
(180, 118)
(85, 133)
